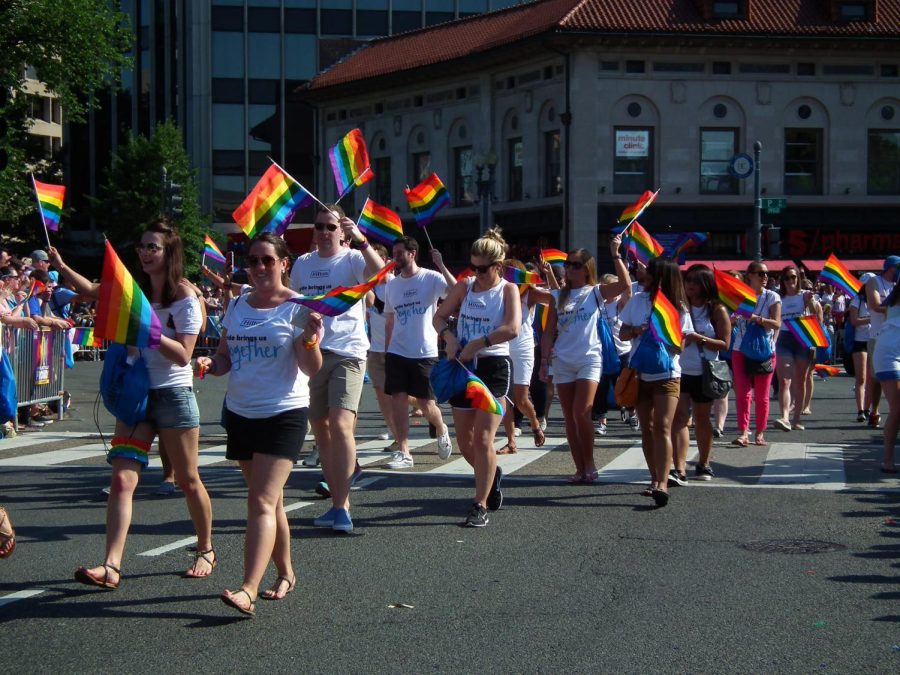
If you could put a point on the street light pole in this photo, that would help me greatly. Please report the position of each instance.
(754, 243)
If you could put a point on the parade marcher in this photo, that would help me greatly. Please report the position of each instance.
(611, 312)
(412, 347)
(877, 289)
(859, 317)
(376, 355)
(886, 364)
(572, 346)
(658, 393)
(269, 348)
(336, 388)
(488, 312)
(171, 406)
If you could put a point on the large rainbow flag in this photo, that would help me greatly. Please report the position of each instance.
(480, 396)
(684, 241)
(271, 204)
(517, 276)
(380, 223)
(350, 162)
(808, 331)
(124, 314)
(338, 300)
(631, 213)
(50, 199)
(737, 296)
(640, 244)
(836, 273)
(665, 322)
(211, 251)
(426, 199)
(554, 256)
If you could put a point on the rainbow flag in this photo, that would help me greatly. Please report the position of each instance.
(824, 370)
(678, 249)
(339, 299)
(83, 336)
(426, 199)
(554, 256)
(50, 199)
(37, 287)
(631, 213)
(808, 331)
(480, 396)
(350, 162)
(665, 322)
(641, 245)
(517, 276)
(737, 296)
(211, 251)
(380, 223)
(271, 204)
(541, 314)
(836, 273)
(124, 314)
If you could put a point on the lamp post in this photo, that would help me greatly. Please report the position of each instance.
(754, 242)
(486, 168)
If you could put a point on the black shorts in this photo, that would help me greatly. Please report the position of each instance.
(495, 372)
(692, 385)
(859, 346)
(281, 435)
(408, 376)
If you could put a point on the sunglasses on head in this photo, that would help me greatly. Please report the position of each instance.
(266, 260)
(482, 269)
(321, 226)
(573, 264)
(150, 248)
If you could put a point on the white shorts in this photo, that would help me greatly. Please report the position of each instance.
(591, 368)
(886, 356)
(522, 356)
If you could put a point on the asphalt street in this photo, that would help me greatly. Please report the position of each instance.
(564, 578)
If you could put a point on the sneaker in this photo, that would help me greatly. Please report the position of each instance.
(357, 474)
(342, 521)
(393, 447)
(798, 427)
(676, 478)
(400, 461)
(312, 459)
(445, 447)
(862, 416)
(165, 489)
(106, 491)
(623, 413)
(327, 518)
(543, 424)
(384, 435)
(717, 432)
(517, 432)
(322, 489)
(495, 497)
(600, 428)
(702, 472)
(634, 423)
(477, 516)
(874, 420)
(782, 424)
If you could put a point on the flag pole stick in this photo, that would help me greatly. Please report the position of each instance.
(281, 168)
(350, 187)
(41, 211)
(425, 230)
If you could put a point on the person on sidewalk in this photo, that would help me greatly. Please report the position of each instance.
(878, 288)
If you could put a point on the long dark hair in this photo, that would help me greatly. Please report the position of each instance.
(706, 281)
(281, 251)
(173, 251)
(666, 276)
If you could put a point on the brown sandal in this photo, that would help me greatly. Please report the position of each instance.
(272, 593)
(7, 539)
(83, 575)
(539, 437)
(250, 610)
(508, 449)
(204, 555)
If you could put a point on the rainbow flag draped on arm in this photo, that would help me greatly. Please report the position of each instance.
(808, 331)
(50, 201)
(665, 321)
(124, 314)
(480, 396)
(517, 276)
(553, 256)
(338, 300)
(380, 223)
(350, 162)
(836, 273)
(271, 204)
(640, 244)
(631, 213)
(426, 199)
(211, 251)
(737, 296)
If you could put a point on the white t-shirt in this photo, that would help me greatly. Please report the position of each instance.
(637, 313)
(376, 323)
(861, 333)
(413, 301)
(767, 300)
(480, 314)
(884, 288)
(312, 274)
(265, 379)
(792, 306)
(614, 321)
(691, 362)
(187, 319)
(577, 339)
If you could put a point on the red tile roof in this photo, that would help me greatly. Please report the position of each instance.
(477, 34)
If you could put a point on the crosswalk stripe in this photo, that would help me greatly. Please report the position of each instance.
(56, 456)
(211, 455)
(631, 467)
(20, 595)
(509, 463)
(41, 438)
(803, 466)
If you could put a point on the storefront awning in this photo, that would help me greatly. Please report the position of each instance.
(739, 265)
(852, 265)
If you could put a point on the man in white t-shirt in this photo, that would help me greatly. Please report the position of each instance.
(335, 390)
(878, 288)
(411, 344)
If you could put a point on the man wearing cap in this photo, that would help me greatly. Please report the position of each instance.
(40, 260)
(878, 288)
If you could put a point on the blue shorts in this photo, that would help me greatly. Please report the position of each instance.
(172, 408)
(887, 375)
(789, 347)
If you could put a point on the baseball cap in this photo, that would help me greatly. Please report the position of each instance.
(38, 254)
(54, 276)
(891, 261)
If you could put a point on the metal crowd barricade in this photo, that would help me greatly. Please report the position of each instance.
(38, 362)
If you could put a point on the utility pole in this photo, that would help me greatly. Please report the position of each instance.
(754, 241)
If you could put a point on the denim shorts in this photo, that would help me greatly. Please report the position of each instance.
(172, 408)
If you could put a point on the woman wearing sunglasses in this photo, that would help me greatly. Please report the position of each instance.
(171, 407)
(572, 340)
(794, 358)
(489, 316)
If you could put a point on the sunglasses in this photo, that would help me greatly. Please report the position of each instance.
(266, 260)
(150, 248)
(573, 264)
(321, 227)
(761, 274)
(482, 269)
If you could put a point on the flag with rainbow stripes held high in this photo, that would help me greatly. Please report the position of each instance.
(836, 273)
(665, 321)
(808, 331)
(516, 276)
(631, 213)
(737, 296)
(340, 299)
(640, 244)
(211, 251)
(553, 256)
(380, 223)
(426, 199)
(50, 200)
(271, 204)
(349, 159)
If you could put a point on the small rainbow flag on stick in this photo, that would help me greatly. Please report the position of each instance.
(271, 204)
(517, 276)
(211, 251)
(554, 256)
(380, 223)
(83, 336)
(350, 162)
(678, 249)
(665, 322)
(338, 300)
(541, 314)
(824, 371)
(426, 199)
(631, 213)
(641, 245)
(124, 314)
(737, 296)
(808, 331)
(50, 202)
(836, 273)
(479, 395)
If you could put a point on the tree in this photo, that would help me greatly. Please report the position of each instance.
(77, 48)
(132, 195)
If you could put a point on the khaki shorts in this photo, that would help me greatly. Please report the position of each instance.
(670, 387)
(375, 365)
(338, 384)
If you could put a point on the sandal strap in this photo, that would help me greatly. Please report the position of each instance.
(203, 554)
(115, 569)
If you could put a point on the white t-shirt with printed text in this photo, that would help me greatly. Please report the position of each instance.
(413, 302)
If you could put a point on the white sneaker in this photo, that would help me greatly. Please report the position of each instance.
(384, 435)
(445, 447)
(312, 459)
(517, 432)
(543, 424)
(400, 461)
(600, 428)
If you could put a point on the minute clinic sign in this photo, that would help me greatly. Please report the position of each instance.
(632, 143)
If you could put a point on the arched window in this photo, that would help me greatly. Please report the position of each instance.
(551, 149)
(463, 158)
(513, 154)
(419, 155)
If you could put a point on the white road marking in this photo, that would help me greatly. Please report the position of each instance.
(20, 595)
(366, 482)
(631, 467)
(25, 440)
(53, 457)
(211, 455)
(803, 466)
(181, 543)
(509, 463)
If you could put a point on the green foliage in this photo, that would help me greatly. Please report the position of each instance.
(131, 197)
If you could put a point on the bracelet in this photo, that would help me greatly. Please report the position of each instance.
(312, 343)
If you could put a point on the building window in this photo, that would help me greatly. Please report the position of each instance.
(381, 185)
(337, 21)
(463, 176)
(633, 164)
(514, 169)
(717, 147)
(552, 164)
(420, 166)
(884, 162)
(726, 9)
(854, 11)
(802, 161)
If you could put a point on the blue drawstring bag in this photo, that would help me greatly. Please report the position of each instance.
(756, 344)
(448, 379)
(849, 334)
(611, 365)
(124, 386)
(651, 356)
(9, 401)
